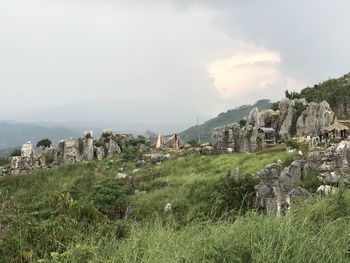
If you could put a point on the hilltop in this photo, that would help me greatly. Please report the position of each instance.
(335, 91)
(204, 130)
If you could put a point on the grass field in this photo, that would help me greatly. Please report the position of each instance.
(75, 214)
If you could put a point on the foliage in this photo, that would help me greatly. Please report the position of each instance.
(194, 143)
(16, 152)
(108, 197)
(275, 106)
(242, 122)
(311, 182)
(44, 143)
(291, 144)
(4, 161)
(292, 95)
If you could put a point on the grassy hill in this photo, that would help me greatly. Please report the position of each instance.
(335, 91)
(75, 214)
(204, 130)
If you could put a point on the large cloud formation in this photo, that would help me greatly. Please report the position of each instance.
(202, 56)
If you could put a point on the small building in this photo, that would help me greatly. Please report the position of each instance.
(337, 130)
(269, 134)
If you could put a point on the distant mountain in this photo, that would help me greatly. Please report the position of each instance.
(204, 130)
(14, 134)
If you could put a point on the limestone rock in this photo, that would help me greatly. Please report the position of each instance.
(69, 151)
(314, 119)
(27, 150)
(86, 144)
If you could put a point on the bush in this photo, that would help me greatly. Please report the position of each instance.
(292, 144)
(311, 182)
(16, 152)
(194, 143)
(108, 196)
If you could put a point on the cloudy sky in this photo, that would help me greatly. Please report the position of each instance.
(163, 61)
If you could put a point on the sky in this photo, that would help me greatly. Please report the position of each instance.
(162, 61)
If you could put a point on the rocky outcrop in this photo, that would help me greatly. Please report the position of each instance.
(239, 139)
(278, 186)
(69, 151)
(109, 143)
(314, 119)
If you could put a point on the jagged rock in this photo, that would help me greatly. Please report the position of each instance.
(254, 118)
(27, 150)
(20, 165)
(239, 139)
(86, 144)
(69, 151)
(99, 153)
(287, 111)
(314, 119)
(110, 146)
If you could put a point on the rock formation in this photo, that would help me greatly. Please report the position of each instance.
(278, 186)
(69, 151)
(314, 119)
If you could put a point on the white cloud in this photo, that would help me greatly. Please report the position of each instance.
(256, 71)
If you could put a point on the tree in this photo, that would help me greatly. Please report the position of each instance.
(45, 143)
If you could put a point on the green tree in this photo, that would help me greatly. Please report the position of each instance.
(44, 143)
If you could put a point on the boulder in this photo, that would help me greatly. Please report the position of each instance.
(108, 141)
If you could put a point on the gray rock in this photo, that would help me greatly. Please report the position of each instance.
(314, 119)
(157, 158)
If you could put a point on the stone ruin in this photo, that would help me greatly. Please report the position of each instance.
(306, 118)
(69, 151)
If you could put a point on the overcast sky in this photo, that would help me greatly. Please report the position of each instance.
(199, 56)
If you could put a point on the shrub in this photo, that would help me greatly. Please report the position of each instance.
(239, 192)
(292, 144)
(108, 196)
(15, 152)
(311, 182)
(194, 143)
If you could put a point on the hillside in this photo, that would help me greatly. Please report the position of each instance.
(14, 134)
(204, 130)
(74, 213)
(335, 91)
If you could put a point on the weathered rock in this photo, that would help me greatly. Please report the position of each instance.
(314, 119)
(110, 146)
(121, 176)
(69, 151)
(27, 150)
(157, 158)
(99, 153)
(86, 144)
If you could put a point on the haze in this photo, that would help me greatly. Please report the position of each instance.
(154, 63)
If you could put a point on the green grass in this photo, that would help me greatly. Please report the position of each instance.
(67, 214)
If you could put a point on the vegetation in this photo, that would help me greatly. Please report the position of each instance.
(194, 143)
(334, 91)
(204, 130)
(16, 152)
(44, 143)
(75, 213)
